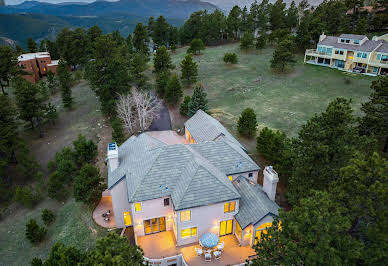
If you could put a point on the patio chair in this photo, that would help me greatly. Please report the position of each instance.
(199, 251)
(221, 246)
(217, 255)
(208, 257)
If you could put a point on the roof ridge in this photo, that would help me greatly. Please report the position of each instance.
(197, 155)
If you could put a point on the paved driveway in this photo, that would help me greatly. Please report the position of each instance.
(163, 122)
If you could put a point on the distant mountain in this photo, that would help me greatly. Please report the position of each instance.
(144, 8)
(228, 4)
(2, 3)
(40, 26)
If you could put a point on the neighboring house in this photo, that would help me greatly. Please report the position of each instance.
(37, 65)
(350, 52)
(206, 185)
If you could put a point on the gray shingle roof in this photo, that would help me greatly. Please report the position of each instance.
(203, 127)
(383, 48)
(254, 203)
(352, 36)
(153, 170)
(367, 46)
(226, 156)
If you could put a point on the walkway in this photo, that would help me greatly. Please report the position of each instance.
(104, 205)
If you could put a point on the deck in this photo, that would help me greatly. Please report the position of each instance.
(163, 245)
(104, 205)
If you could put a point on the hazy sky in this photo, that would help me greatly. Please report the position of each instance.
(13, 2)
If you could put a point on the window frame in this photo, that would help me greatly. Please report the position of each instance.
(250, 174)
(164, 202)
(135, 206)
(180, 216)
(356, 41)
(229, 204)
(191, 232)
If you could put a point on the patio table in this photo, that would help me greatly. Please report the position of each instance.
(209, 240)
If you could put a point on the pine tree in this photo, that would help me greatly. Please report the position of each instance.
(34, 232)
(137, 68)
(141, 39)
(88, 184)
(162, 60)
(8, 66)
(196, 45)
(261, 41)
(129, 43)
(247, 123)
(51, 82)
(31, 46)
(160, 32)
(161, 83)
(283, 55)
(184, 108)
(189, 70)
(65, 82)
(174, 90)
(247, 40)
(118, 131)
(198, 101)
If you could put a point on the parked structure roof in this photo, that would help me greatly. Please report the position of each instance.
(254, 203)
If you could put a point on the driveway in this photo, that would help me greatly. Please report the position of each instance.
(163, 122)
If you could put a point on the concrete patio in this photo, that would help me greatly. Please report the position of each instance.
(168, 137)
(162, 245)
(104, 205)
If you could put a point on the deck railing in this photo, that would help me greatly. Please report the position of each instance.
(177, 259)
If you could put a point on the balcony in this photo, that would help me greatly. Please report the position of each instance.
(314, 52)
(163, 245)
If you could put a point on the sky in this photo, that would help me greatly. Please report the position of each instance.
(14, 2)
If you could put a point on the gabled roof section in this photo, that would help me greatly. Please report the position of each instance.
(226, 156)
(367, 46)
(254, 203)
(352, 36)
(204, 127)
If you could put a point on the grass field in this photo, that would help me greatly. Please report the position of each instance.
(281, 101)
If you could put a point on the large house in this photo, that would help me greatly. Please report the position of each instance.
(37, 65)
(350, 52)
(206, 183)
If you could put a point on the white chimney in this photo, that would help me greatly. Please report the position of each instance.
(322, 37)
(270, 182)
(113, 156)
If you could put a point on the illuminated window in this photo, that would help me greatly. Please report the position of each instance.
(137, 206)
(185, 216)
(127, 218)
(230, 178)
(188, 232)
(229, 206)
(238, 230)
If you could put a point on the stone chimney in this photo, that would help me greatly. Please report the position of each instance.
(270, 182)
(322, 37)
(113, 156)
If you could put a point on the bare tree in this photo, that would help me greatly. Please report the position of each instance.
(137, 110)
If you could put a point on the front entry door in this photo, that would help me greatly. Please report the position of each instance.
(226, 227)
(154, 225)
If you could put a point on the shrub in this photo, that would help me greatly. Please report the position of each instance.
(36, 262)
(261, 42)
(118, 131)
(247, 40)
(88, 184)
(35, 233)
(48, 216)
(25, 196)
(183, 109)
(247, 123)
(56, 188)
(85, 151)
(230, 58)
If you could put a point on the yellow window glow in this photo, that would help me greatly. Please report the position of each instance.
(185, 216)
(226, 207)
(194, 231)
(137, 206)
(230, 178)
(238, 230)
(232, 206)
(127, 218)
(185, 233)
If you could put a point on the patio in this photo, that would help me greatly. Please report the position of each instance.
(169, 137)
(162, 245)
(102, 207)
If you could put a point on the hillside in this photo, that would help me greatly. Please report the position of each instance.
(38, 26)
(228, 4)
(167, 8)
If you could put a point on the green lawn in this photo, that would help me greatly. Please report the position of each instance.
(281, 101)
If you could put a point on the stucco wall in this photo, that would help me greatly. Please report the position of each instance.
(151, 209)
(206, 219)
(266, 219)
(246, 236)
(120, 202)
